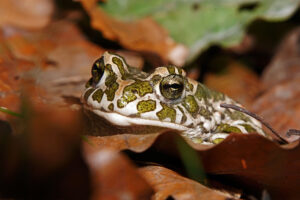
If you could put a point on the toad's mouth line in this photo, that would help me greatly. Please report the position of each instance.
(121, 120)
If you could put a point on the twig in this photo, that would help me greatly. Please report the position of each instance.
(235, 107)
(293, 132)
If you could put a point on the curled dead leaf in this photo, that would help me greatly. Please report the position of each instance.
(238, 82)
(285, 64)
(143, 35)
(280, 107)
(250, 163)
(167, 183)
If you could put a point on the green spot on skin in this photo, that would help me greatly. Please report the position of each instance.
(226, 128)
(111, 107)
(89, 83)
(155, 79)
(179, 70)
(110, 92)
(249, 128)
(108, 67)
(146, 106)
(236, 115)
(190, 105)
(197, 140)
(129, 93)
(120, 65)
(191, 87)
(97, 95)
(217, 96)
(217, 140)
(205, 113)
(183, 118)
(88, 93)
(202, 92)
(171, 69)
(233, 129)
(111, 84)
(166, 112)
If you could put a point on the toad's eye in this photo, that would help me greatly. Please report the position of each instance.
(171, 87)
(97, 70)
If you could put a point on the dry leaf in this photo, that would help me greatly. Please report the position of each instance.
(143, 35)
(57, 59)
(238, 82)
(254, 164)
(280, 107)
(170, 184)
(30, 14)
(247, 162)
(285, 64)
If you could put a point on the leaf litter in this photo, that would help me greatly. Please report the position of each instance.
(44, 150)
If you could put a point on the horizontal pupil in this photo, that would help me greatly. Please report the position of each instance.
(174, 86)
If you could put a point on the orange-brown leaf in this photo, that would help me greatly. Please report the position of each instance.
(167, 183)
(142, 35)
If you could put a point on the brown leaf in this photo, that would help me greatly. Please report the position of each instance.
(11, 79)
(238, 82)
(280, 107)
(142, 35)
(170, 184)
(114, 177)
(285, 64)
(103, 134)
(30, 14)
(70, 56)
(136, 143)
(250, 163)
(255, 163)
(57, 59)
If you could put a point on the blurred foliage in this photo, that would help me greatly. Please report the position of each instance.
(7, 111)
(198, 24)
(191, 161)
